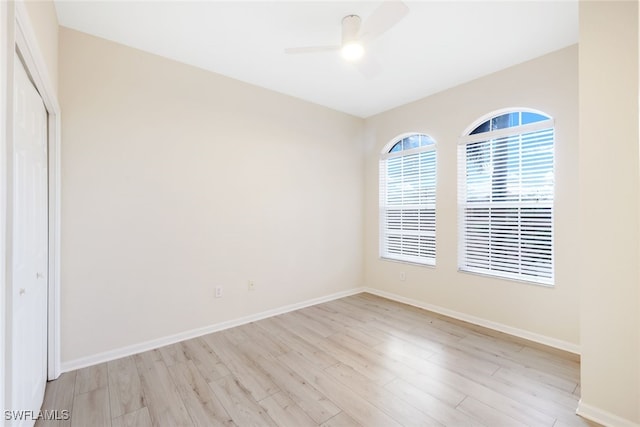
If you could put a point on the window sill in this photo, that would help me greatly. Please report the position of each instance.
(402, 261)
(550, 285)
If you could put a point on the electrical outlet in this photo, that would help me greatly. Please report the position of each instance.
(251, 285)
(403, 276)
(218, 291)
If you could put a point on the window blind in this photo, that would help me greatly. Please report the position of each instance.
(505, 202)
(408, 217)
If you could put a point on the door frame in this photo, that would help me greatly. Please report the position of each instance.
(20, 37)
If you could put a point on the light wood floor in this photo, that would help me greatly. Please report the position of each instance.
(357, 361)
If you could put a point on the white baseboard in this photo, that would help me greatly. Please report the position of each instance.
(118, 353)
(602, 417)
(171, 339)
(531, 336)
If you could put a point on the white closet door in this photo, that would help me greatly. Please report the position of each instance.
(29, 252)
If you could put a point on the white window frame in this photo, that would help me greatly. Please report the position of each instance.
(546, 276)
(385, 252)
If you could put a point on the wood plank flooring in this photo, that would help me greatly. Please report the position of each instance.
(357, 361)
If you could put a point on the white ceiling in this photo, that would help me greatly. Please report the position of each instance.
(438, 45)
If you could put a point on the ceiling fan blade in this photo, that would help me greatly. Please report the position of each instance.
(388, 14)
(311, 49)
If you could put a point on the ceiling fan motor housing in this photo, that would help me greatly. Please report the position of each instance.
(350, 28)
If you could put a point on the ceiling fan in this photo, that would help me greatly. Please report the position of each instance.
(356, 36)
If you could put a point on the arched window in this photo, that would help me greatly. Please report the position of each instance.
(505, 196)
(408, 199)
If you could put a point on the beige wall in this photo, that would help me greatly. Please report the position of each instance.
(177, 180)
(610, 222)
(548, 84)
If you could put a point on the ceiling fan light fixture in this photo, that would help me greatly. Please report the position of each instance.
(352, 51)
